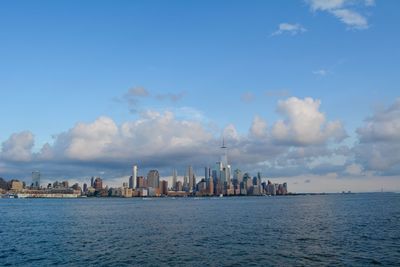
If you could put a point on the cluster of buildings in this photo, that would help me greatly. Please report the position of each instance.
(217, 181)
(18, 189)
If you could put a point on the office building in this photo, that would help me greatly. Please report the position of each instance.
(133, 178)
(153, 179)
(174, 179)
(36, 179)
(98, 183)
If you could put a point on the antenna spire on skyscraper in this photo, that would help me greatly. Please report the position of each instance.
(223, 143)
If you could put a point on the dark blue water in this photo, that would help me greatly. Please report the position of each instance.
(356, 230)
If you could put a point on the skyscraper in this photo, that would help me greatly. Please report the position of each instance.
(98, 183)
(153, 179)
(174, 179)
(36, 179)
(207, 173)
(132, 179)
(191, 179)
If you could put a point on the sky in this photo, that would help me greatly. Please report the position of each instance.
(306, 92)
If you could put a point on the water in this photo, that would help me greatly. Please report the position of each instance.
(356, 230)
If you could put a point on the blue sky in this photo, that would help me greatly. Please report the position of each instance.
(223, 62)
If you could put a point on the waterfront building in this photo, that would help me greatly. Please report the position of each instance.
(202, 187)
(142, 192)
(141, 182)
(151, 191)
(98, 184)
(36, 179)
(210, 187)
(174, 179)
(207, 173)
(85, 187)
(192, 179)
(185, 184)
(133, 177)
(16, 185)
(127, 192)
(64, 184)
(237, 177)
(179, 186)
(285, 188)
(153, 179)
(164, 188)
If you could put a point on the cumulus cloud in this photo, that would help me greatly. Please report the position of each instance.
(258, 127)
(292, 29)
(18, 147)
(343, 10)
(379, 141)
(305, 124)
(164, 140)
(382, 126)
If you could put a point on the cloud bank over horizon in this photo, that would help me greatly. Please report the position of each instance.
(303, 142)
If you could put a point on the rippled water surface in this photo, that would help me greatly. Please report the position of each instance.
(354, 229)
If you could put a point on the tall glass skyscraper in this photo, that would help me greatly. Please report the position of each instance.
(174, 179)
(36, 179)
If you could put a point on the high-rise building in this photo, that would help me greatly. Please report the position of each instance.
(98, 183)
(92, 182)
(134, 177)
(179, 186)
(164, 188)
(174, 179)
(207, 173)
(185, 183)
(141, 182)
(153, 179)
(192, 183)
(36, 179)
(210, 187)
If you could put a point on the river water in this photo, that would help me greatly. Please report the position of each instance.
(318, 230)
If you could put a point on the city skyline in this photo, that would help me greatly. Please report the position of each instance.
(307, 94)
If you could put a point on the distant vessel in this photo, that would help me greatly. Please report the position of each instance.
(221, 195)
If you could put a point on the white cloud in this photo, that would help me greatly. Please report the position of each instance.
(258, 127)
(88, 141)
(382, 126)
(291, 29)
(343, 10)
(354, 169)
(18, 147)
(160, 139)
(351, 18)
(230, 133)
(305, 124)
(325, 4)
(379, 141)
